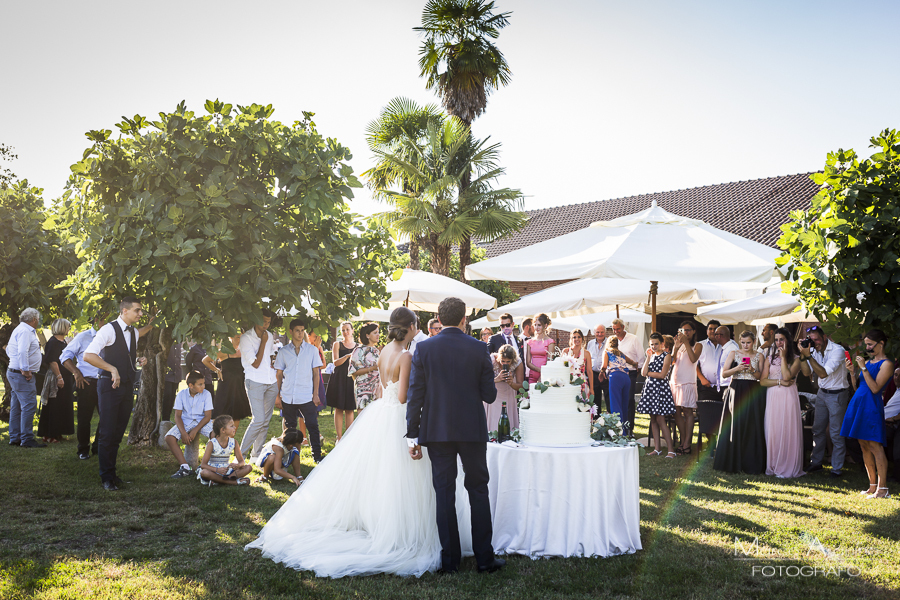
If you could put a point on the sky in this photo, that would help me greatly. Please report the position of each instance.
(607, 99)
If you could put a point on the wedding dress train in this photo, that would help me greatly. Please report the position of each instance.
(367, 507)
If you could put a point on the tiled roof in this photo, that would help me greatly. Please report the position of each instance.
(753, 209)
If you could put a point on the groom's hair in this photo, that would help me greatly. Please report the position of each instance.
(451, 311)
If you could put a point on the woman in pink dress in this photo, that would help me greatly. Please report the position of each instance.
(684, 382)
(509, 372)
(539, 348)
(784, 429)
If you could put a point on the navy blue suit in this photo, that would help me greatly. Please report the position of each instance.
(497, 340)
(451, 377)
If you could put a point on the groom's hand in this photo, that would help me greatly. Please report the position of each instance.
(415, 452)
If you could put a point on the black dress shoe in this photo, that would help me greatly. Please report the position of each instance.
(813, 468)
(443, 571)
(14, 443)
(110, 486)
(495, 565)
(83, 455)
(32, 444)
(836, 473)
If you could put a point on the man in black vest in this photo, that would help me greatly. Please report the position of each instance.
(114, 351)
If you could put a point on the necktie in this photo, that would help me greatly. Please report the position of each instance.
(131, 349)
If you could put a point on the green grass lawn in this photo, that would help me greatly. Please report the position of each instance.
(63, 536)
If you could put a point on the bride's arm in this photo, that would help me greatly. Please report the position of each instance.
(403, 383)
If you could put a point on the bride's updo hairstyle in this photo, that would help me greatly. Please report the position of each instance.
(402, 320)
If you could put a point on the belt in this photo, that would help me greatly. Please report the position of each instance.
(19, 372)
(833, 391)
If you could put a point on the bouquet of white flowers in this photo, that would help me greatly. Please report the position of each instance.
(608, 429)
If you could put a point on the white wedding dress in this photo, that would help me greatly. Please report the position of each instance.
(367, 507)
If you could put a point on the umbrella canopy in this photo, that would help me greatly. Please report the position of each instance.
(584, 296)
(586, 323)
(420, 290)
(774, 306)
(374, 314)
(653, 245)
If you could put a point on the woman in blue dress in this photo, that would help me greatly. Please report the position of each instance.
(619, 382)
(864, 419)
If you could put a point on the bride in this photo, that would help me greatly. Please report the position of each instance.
(368, 507)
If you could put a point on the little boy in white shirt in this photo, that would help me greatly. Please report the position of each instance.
(193, 415)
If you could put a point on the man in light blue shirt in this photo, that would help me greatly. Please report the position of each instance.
(297, 371)
(86, 376)
(24, 353)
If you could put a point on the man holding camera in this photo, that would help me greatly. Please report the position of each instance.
(825, 358)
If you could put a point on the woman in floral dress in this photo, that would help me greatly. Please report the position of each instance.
(363, 365)
(582, 358)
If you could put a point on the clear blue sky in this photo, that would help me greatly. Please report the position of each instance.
(607, 99)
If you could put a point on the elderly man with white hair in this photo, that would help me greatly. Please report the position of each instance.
(24, 352)
(601, 381)
(630, 347)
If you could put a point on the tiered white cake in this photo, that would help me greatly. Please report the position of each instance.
(553, 418)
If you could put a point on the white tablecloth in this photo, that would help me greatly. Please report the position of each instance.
(564, 501)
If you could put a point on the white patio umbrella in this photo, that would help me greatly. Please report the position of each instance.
(374, 314)
(584, 296)
(772, 306)
(420, 290)
(651, 246)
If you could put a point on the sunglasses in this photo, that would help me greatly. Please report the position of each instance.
(813, 328)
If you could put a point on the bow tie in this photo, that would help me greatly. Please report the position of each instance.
(130, 328)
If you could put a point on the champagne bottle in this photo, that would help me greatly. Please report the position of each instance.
(503, 425)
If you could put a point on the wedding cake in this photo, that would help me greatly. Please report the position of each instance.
(552, 417)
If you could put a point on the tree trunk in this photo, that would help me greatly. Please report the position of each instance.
(465, 258)
(146, 418)
(414, 254)
(440, 259)
(5, 404)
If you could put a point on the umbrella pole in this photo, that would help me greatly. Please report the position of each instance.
(653, 290)
(406, 302)
(617, 312)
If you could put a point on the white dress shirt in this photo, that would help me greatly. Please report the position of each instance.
(709, 361)
(420, 337)
(107, 336)
(24, 349)
(75, 351)
(729, 347)
(832, 360)
(596, 359)
(630, 346)
(892, 408)
(249, 346)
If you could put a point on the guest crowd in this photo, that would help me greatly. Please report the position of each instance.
(743, 394)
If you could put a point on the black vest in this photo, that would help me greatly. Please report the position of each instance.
(119, 356)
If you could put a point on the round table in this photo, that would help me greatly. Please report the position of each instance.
(564, 501)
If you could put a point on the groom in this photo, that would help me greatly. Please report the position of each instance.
(450, 378)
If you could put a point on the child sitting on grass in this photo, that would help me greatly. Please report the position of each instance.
(215, 468)
(278, 455)
(193, 412)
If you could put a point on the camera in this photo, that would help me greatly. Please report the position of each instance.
(681, 331)
(805, 343)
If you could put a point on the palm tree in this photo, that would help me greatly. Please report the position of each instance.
(458, 39)
(400, 120)
(433, 202)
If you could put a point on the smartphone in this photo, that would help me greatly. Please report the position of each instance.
(745, 361)
(847, 354)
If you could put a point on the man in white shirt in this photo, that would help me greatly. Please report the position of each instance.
(708, 365)
(601, 381)
(630, 347)
(825, 358)
(257, 346)
(727, 346)
(86, 376)
(113, 351)
(419, 337)
(24, 351)
(892, 427)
